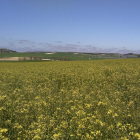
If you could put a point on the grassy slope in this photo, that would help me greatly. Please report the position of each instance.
(56, 56)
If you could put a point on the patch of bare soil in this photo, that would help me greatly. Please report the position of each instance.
(14, 58)
(46, 59)
(49, 53)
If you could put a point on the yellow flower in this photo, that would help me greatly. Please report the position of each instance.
(58, 108)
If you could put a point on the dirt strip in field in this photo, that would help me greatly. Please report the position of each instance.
(11, 58)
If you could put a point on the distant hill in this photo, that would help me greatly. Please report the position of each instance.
(6, 51)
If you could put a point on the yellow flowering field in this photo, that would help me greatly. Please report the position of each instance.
(79, 100)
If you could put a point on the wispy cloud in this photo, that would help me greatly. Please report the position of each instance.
(58, 41)
(45, 44)
(124, 51)
(92, 49)
(48, 44)
(72, 45)
(11, 44)
(27, 45)
(24, 41)
(88, 46)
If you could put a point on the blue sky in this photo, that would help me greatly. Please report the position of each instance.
(70, 25)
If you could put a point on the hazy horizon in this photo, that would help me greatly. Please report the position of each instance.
(110, 26)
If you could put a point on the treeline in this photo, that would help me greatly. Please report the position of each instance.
(6, 51)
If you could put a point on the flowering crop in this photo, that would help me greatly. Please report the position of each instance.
(81, 100)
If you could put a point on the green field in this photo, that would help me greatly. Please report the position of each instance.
(75, 100)
(58, 56)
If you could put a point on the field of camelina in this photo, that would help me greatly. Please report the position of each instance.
(79, 100)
